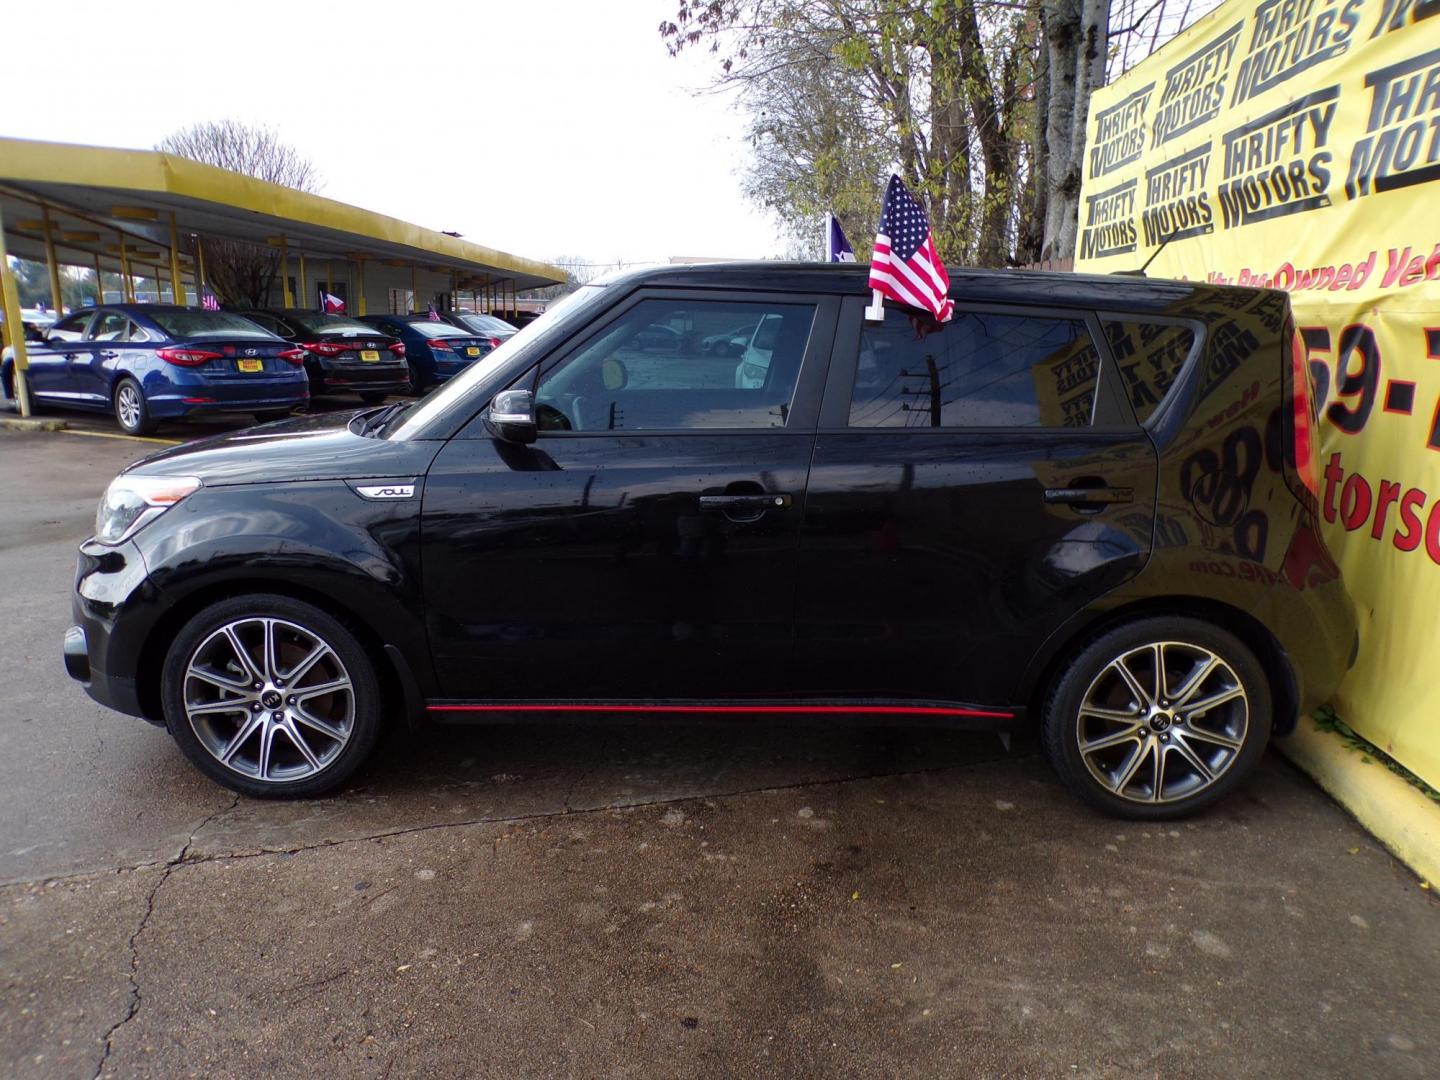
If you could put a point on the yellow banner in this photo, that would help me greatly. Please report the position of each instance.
(1295, 144)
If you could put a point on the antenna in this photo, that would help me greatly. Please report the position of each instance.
(1151, 259)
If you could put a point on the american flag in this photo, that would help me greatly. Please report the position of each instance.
(906, 267)
(209, 301)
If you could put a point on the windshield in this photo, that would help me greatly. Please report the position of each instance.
(319, 323)
(420, 419)
(486, 323)
(185, 324)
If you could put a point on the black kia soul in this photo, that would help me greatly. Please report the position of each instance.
(1085, 504)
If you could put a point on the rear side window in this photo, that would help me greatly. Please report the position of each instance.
(1150, 356)
(981, 369)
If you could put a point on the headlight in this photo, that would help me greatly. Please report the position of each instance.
(131, 502)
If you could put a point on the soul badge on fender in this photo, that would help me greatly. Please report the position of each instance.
(386, 491)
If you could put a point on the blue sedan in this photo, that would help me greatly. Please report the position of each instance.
(435, 350)
(154, 362)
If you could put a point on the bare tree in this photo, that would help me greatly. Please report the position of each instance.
(240, 272)
(980, 105)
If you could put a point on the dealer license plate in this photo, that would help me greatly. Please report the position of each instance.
(252, 365)
(370, 356)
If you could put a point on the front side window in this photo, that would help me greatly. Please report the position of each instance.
(681, 364)
(981, 369)
(71, 328)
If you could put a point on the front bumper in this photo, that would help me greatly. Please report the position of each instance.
(108, 580)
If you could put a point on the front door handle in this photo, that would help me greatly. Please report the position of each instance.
(744, 504)
(108, 354)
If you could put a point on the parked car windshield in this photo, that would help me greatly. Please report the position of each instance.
(485, 323)
(422, 417)
(318, 322)
(207, 324)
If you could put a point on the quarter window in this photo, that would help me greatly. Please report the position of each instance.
(1150, 356)
(677, 364)
(981, 369)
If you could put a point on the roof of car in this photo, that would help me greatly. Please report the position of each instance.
(1062, 288)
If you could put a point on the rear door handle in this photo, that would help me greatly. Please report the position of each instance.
(745, 504)
(1089, 495)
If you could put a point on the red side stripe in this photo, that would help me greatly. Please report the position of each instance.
(887, 710)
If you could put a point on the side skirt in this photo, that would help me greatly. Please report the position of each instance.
(909, 713)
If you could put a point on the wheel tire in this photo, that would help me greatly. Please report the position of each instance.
(1187, 746)
(352, 715)
(417, 381)
(374, 397)
(132, 412)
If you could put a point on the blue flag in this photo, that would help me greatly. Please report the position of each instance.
(837, 248)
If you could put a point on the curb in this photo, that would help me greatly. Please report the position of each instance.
(1396, 814)
(32, 423)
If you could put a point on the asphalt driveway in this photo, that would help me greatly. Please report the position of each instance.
(655, 899)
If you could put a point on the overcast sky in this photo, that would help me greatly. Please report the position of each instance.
(540, 127)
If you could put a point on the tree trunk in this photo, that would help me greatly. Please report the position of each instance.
(1076, 32)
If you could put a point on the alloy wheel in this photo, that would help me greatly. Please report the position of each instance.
(128, 406)
(269, 699)
(1162, 722)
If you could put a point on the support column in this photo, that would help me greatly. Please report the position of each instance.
(99, 283)
(302, 291)
(127, 284)
(414, 292)
(14, 329)
(56, 296)
(360, 286)
(177, 284)
(203, 283)
(285, 293)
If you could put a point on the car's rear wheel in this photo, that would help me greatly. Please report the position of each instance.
(271, 696)
(131, 411)
(1158, 718)
(417, 380)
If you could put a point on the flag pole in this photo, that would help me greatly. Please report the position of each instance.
(829, 236)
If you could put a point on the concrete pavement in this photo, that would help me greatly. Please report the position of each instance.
(656, 899)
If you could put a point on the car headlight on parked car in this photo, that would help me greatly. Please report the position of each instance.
(132, 502)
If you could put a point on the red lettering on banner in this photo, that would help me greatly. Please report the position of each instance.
(1409, 540)
(1351, 496)
(1389, 492)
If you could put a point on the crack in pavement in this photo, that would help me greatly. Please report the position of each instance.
(183, 859)
(136, 997)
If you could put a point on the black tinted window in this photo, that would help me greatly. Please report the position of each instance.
(981, 369)
(1150, 355)
(674, 364)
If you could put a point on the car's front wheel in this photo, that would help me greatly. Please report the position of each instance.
(271, 696)
(1157, 718)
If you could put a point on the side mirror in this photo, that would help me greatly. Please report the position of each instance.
(512, 416)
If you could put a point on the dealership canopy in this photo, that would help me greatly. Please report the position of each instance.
(140, 213)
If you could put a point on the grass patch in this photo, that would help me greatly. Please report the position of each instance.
(1327, 720)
